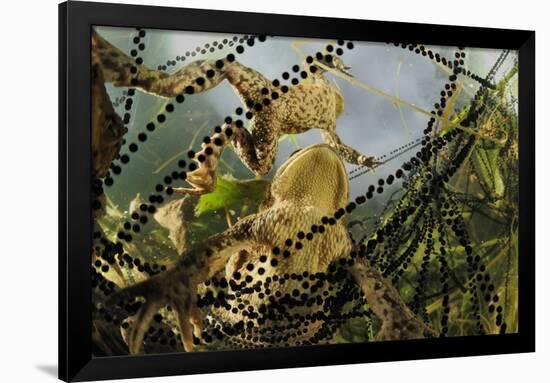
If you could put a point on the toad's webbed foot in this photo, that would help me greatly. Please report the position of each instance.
(369, 162)
(203, 178)
(158, 292)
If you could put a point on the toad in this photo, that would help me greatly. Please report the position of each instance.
(277, 273)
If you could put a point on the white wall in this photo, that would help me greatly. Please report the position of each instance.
(28, 203)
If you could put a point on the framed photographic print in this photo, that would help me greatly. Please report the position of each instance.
(248, 191)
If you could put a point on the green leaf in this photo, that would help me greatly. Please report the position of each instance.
(230, 193)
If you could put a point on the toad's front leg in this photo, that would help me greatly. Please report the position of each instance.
(178, 286)
(256, 149)
(348, 153)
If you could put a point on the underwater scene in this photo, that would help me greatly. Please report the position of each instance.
(256, 191)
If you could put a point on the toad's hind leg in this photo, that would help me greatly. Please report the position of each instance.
(257, 150)
(196, 77)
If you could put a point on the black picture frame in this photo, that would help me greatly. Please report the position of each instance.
(76, 19)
